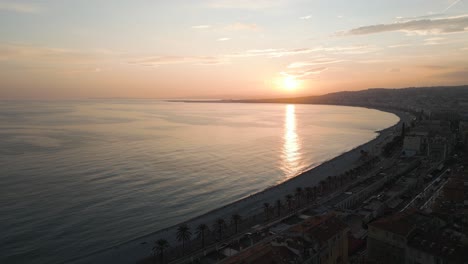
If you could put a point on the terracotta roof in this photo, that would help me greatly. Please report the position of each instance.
(263, 254)
(320, 228)
(310, 222)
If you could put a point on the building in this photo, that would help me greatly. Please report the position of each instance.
(325, 239)
(388, 237)
(265, 253)
(416, 238)
(436, 248)
(317, 240)
(413, 145)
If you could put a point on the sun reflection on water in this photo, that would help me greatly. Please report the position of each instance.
(291, 144)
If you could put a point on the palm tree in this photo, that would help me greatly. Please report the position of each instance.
(308, 194)
(201, 229)
(158, 249)
(278, 207)
(329, 183)
(289, 201)
(219, 226)
(267, 208)
(183, 234)
(298, 196)
(236, 218)
(323, 186)
(341, 179)
(315, 190)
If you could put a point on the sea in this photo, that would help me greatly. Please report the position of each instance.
(84, 175)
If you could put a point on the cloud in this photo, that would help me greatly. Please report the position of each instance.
(435, 67)
(456, 75)
(306, 17)
(223, 39)
(19, 7)
(241, 26)
(272, 53)
(244, 4)
(394, 70)
(421, 27)
(433, 41)
(318, 61)
(304, 73)
(19, 52)
(168, 60)
(277, 53)
(400, 45)
(201, 27)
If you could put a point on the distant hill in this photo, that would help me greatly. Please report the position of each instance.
(415, 99)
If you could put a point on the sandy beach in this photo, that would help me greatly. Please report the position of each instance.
(132, 251)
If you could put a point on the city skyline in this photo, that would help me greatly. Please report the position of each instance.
(227, 49)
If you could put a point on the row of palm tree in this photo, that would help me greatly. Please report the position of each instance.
(309, 194)
(159, 246)
(184, 234)
(300, 198)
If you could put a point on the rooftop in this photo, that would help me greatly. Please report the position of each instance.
(263, 254)
(445, 244)
(402, 223)
(320, 228)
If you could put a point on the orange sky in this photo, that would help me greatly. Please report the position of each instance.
(227, 49)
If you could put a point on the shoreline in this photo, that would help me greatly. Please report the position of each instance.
(140, 247)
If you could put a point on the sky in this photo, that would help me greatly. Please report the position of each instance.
(67, 49)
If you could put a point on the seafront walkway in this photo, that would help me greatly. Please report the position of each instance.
(262, 225)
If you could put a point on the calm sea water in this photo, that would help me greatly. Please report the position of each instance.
(80, 176)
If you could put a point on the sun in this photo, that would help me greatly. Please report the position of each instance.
(290, 83)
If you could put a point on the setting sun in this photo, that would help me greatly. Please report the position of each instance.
(290, 83)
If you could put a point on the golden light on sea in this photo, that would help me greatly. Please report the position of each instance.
(291, 143)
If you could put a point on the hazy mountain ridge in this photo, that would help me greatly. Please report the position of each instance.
(428, 99)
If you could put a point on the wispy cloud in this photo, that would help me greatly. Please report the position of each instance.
(223, 39)
(167, 60)
(241, 26)
(400, 45)
(19, 52)
(272, 53)
(304, 73)
(244, 4)
(276, 53)
(421, 27)
(201, 27)
(454, 75)
(435, 67)
(306, 17)
(433, 41)
(318, 61)
(19, 7)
